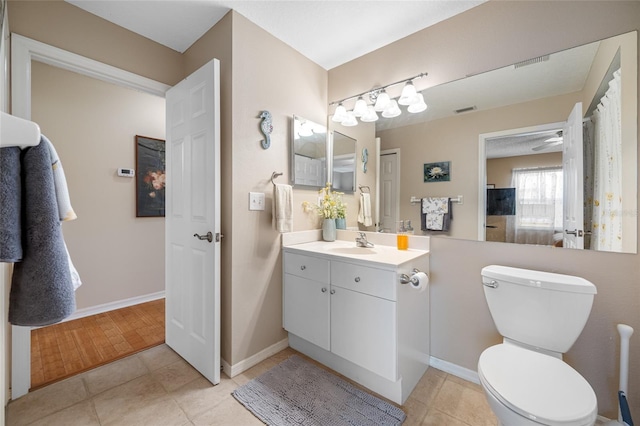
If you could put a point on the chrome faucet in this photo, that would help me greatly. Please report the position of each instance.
(361, 240)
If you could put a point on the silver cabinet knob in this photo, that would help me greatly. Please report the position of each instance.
(324, 289)
(357, 279)
(332, 291)
(303, 267)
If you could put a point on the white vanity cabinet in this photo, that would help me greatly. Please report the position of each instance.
(354, 316)
(306, 298)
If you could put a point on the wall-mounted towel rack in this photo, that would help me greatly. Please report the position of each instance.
(364, 188)
(15, 131)
(274, 175)
(457, 200)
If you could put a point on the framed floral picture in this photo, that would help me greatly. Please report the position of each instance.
(437, 172)
(150, 177)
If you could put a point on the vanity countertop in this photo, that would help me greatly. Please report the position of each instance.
(385, 256)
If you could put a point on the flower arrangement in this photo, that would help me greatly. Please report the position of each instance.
(330, 204)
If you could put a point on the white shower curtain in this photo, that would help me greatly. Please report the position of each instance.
(607, 197)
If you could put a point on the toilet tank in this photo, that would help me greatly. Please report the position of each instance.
(540, 309)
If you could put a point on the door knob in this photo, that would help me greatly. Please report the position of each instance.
(208, 236)
(576, 232)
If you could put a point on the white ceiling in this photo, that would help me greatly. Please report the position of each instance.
(328, 32)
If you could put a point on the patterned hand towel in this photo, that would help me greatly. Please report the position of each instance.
(10, 200)
(41, 290)
(436, 214)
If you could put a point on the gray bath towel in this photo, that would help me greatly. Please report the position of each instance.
(10, 200)
(41, 289)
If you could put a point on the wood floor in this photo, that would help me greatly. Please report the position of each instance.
(62, 350)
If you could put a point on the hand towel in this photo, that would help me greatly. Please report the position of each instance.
(364, 214)
(60, 181)
(283, 207)
(10, 201)
(436, 214)
(41, 288)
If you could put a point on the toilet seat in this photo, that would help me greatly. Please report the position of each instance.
(538, 387)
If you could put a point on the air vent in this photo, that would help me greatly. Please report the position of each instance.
(466, 109)
(537, 60)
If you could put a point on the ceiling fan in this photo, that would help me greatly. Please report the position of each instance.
(551, 142)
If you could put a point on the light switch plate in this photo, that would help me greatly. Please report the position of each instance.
(256, 201)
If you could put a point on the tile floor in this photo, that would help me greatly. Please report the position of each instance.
(157, 387)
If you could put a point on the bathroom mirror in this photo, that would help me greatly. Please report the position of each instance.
(529, 97)
(308, 153)
(343, 175)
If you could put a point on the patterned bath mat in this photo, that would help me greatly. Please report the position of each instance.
(296, 392)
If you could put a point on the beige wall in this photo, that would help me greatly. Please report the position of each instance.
(63, 25)
(93, 139)
(490, 36)
(261, 73)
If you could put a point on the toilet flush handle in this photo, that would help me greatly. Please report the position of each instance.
(492, 284)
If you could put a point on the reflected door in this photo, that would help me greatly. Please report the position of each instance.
(389, 191)
(573, 214)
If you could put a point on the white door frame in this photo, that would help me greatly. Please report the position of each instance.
(23, 52)
(395, 151)
(482, 165)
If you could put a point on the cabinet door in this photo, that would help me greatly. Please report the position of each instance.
(363, 331)
(306, 309)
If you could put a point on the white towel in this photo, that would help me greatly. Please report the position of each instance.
(60, 181)
(283, 207)
(364, 215)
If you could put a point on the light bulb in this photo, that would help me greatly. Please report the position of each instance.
(418, 106)
(392, 110)
(382, 101)
(340, 114)
(370, 116)
(360, 107)
(408, 94)
(350, 120)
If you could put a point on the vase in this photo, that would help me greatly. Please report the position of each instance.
(329, 230)
(341, 223)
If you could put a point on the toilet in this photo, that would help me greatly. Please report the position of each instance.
(540, 315)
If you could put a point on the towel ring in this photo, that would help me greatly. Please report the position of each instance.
(275, 175)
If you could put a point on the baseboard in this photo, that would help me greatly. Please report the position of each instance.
(244, 365)
(456, 370)
(111, 306)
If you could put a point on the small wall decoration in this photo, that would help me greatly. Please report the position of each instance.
(266, 127)
(437, 172)
(365, 159)
(150, 177)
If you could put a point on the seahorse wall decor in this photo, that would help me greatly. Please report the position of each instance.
(266, 127)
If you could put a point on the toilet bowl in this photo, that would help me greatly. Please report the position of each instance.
(540, 315)
(525, 387)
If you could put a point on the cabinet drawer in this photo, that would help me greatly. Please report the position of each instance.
(312, 268)
(372, 281)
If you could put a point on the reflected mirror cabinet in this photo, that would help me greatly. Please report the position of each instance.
(318, 157)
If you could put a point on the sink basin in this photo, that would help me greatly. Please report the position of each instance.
(352, 250)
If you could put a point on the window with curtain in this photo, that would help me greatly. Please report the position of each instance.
(538, 204)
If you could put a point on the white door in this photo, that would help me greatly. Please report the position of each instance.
(573, 221)
(389, 191)
(193, 210)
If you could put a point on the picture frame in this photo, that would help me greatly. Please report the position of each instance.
(150, 176)
(437, 172)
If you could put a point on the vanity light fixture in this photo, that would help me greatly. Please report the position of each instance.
(380, 102)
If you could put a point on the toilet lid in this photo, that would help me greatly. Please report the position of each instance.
(537, 386)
